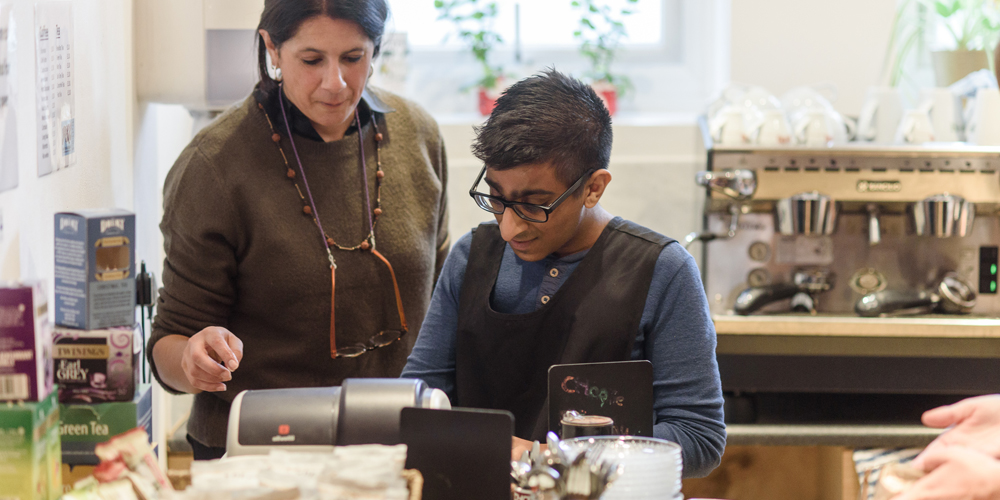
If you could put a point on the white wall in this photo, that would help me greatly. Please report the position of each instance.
(102, 175)
(782, 44)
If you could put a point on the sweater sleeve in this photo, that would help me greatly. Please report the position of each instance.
(679, 340)
(443, 237)
(433, 357)
(200, 234)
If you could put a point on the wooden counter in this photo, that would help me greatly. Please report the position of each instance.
(850, 436)
(933, 335)
(931, 326)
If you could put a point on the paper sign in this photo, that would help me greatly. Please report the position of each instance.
(55, 68)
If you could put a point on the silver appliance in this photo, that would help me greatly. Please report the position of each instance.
(873, 217)
(360, 411)
(851, 272)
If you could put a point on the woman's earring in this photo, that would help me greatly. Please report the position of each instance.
(371, 70)
(277, 73)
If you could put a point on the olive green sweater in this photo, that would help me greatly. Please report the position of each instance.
(241, 254)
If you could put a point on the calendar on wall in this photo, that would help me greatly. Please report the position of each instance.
(54, 71)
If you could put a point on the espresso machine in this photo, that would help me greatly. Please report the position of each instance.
(849, 246)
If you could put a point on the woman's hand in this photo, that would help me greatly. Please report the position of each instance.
(974, 422)
(956, 473)
(210, 357)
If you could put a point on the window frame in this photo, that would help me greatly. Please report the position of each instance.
(436, 74)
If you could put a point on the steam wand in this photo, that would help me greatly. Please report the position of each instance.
(734, 222)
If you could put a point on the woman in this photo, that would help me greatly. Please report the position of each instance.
(303, 228)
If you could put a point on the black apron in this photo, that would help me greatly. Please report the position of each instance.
(502, 360)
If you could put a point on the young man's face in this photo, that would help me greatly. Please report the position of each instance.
(538, 184)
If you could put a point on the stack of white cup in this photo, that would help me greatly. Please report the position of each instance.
(651, 468)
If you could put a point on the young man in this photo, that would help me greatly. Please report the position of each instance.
(558, 279)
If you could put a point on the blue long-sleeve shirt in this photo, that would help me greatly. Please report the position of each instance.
(676, 335)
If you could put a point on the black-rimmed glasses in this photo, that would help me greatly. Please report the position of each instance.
(382, 338)
(527, 211)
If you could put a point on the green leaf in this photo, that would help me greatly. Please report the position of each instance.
(477, 15)
(438, 4)
(575, 3)
(594, 9)
(587, 22)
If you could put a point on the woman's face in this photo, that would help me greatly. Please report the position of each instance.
(324, 68)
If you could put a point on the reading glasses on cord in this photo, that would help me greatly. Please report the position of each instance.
(530, 212)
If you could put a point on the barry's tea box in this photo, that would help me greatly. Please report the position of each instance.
(25, 342)
(30, 464)
(95, 366)
(95, 268)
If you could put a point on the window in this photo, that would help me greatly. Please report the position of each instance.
(675, 56)
(543, 23)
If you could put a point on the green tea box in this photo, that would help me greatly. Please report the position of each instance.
(30, 465)
(95, 268)
(84, 426)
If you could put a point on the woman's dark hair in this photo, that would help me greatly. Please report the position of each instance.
(549, 117)
(282, 19)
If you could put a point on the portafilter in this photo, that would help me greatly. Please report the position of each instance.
(943, 215)
(805, 285)
(952, 295)
(808, 213)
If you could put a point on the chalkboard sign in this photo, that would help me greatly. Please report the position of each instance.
(622, 390)
(462, 453)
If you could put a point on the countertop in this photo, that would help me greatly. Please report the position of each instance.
(852, 436)
(941, 326)
(830, 335)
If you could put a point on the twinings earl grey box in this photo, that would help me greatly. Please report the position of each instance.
(95, 366)
(95, 268)
(25, 342)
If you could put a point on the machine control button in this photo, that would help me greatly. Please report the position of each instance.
(868, 280)
(759, 277)
(759, 251)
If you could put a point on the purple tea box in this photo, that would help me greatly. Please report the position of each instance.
(95, 268)
(95, 366)
(25, 342)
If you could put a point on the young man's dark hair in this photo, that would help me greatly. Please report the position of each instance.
(549, 117)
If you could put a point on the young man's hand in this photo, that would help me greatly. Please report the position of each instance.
(956, 473)
(519, 446)
(975, 424)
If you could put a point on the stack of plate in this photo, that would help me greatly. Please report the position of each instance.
(651, 468)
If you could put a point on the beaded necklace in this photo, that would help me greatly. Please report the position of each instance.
(309, 207)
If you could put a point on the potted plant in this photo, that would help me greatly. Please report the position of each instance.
(970, 26)
(600, 32)
(473, 20)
